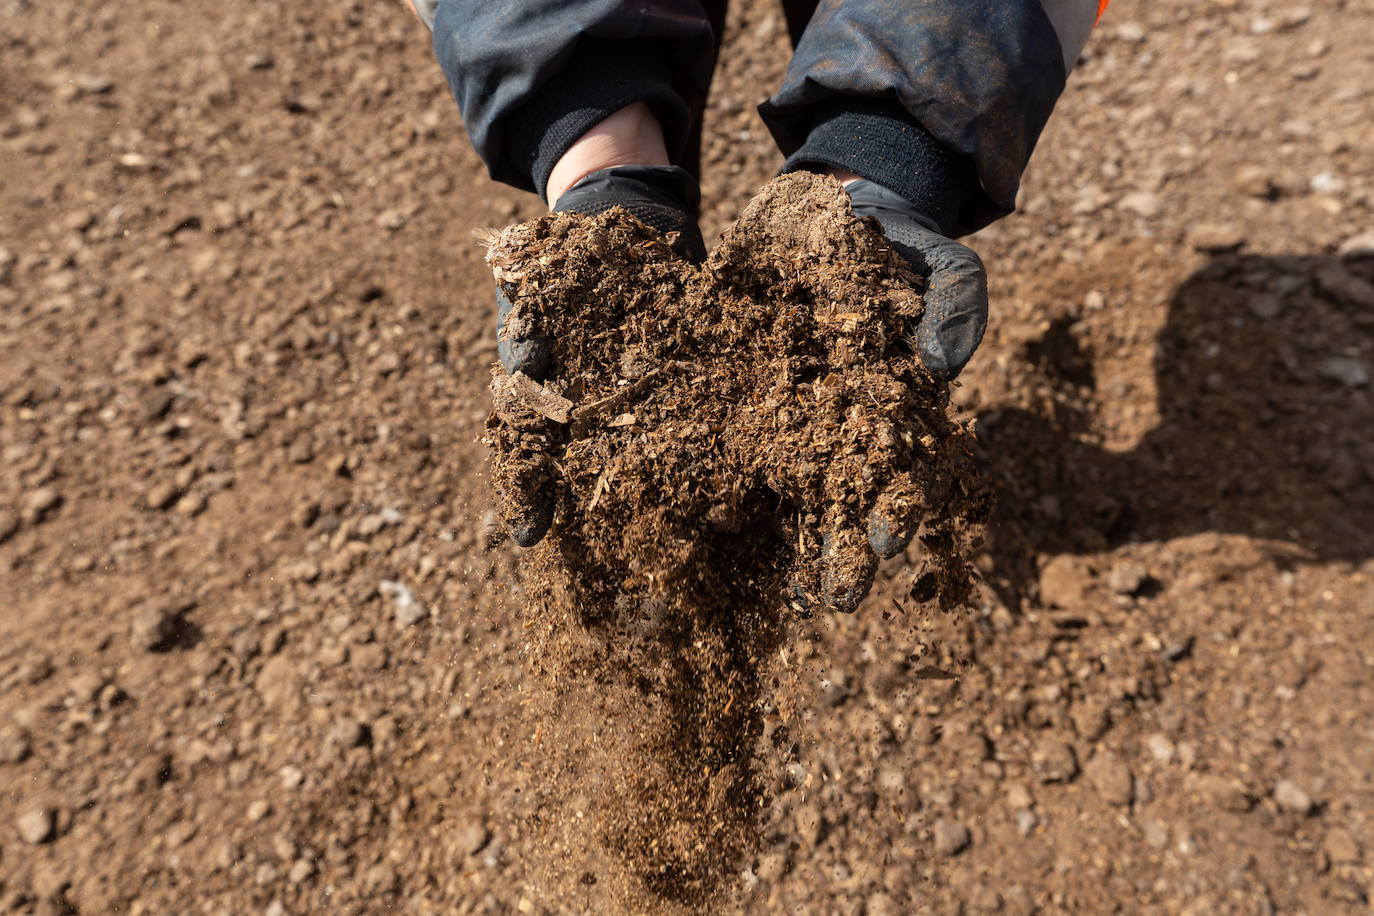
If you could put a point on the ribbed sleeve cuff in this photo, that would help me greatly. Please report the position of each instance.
(879, 140)
(601, 77)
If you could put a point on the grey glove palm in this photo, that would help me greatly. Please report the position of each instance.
(956, 296)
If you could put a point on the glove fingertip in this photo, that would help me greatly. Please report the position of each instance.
(532, 356)
(946, 349)
(848, 574)
(886, 537)
(937, 361)
(844, 596)
(534, 525)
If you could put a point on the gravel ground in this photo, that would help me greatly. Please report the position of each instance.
(257, 657)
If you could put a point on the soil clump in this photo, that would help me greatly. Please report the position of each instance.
(759, 415)
(720, 441)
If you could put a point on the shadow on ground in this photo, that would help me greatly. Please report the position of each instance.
(1266, 429)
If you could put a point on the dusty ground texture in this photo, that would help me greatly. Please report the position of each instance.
(254, 658)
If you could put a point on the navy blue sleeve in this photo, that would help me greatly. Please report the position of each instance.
(979, 76)
(531, 76)
(940, 100)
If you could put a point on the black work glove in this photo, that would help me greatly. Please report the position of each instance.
(956, 311)
(660, 196)
(956, 296)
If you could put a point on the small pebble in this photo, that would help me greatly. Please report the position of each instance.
(1293, 797)
(1053, 760)
(472, 837)
(161, 495)
(291, 776)
(1226, 793)
(37, 825)
(1293, 16)
(1160, 747)
(1064, 582)
(1360, 245)
(1326, 183)
(951, 837)
(305, 513)
(348, 733)
(1131, 32)
(408, 609)
(1110, 776)
(190, 505)
(380, 878)
(158, 626)
(1347, 287)
(1255, 181)
(1127, 577)
(1341, 847)
(93, 84)
(1091, 719)
(391, 219)
(1156, 834)
(39, 503)
(14, 746)
(300, 871)
(1215, 238)
(1348, 371)
(1143, 204)
(368, 657)
(369, 525)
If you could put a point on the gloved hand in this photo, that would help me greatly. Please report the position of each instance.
(956, 296)
(663, 197)
(956, 312)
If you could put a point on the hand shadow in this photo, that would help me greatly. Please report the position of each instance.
(1266, 426)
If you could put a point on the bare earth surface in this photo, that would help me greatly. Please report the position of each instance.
(256, 657)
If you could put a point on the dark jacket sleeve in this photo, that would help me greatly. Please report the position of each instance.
(531, 76)
(979, 76)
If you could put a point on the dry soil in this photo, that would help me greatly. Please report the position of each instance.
(255, 657)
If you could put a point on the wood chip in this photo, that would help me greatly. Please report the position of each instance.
(583, 414)
(541, 400)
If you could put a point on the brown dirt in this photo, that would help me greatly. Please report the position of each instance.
(254, 657)
(722, 436)
(718, 438)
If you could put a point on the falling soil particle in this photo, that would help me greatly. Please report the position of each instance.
(720, 442)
